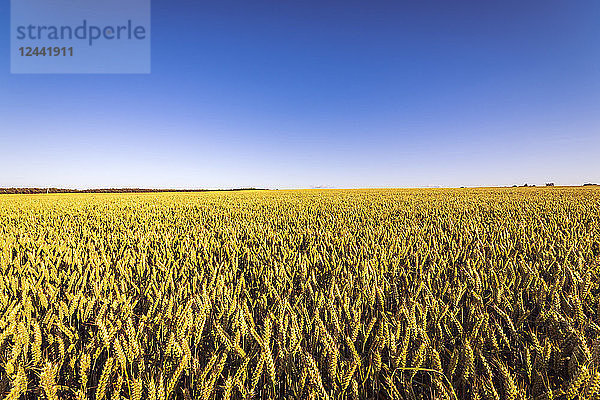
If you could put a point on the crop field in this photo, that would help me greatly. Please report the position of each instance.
(358, 294)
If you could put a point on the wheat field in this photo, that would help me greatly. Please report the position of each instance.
(358, 294)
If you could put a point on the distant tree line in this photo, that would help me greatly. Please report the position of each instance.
(112, 190)
(552, 184)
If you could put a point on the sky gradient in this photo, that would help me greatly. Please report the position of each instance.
(304, 94)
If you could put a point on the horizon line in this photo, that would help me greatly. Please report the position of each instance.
(125, 190)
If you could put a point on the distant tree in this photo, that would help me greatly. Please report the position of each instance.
(550, 184)
(111, 190)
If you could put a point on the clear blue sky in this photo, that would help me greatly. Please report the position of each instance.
(287, 94)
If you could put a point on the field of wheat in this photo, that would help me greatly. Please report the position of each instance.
(367, 294)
